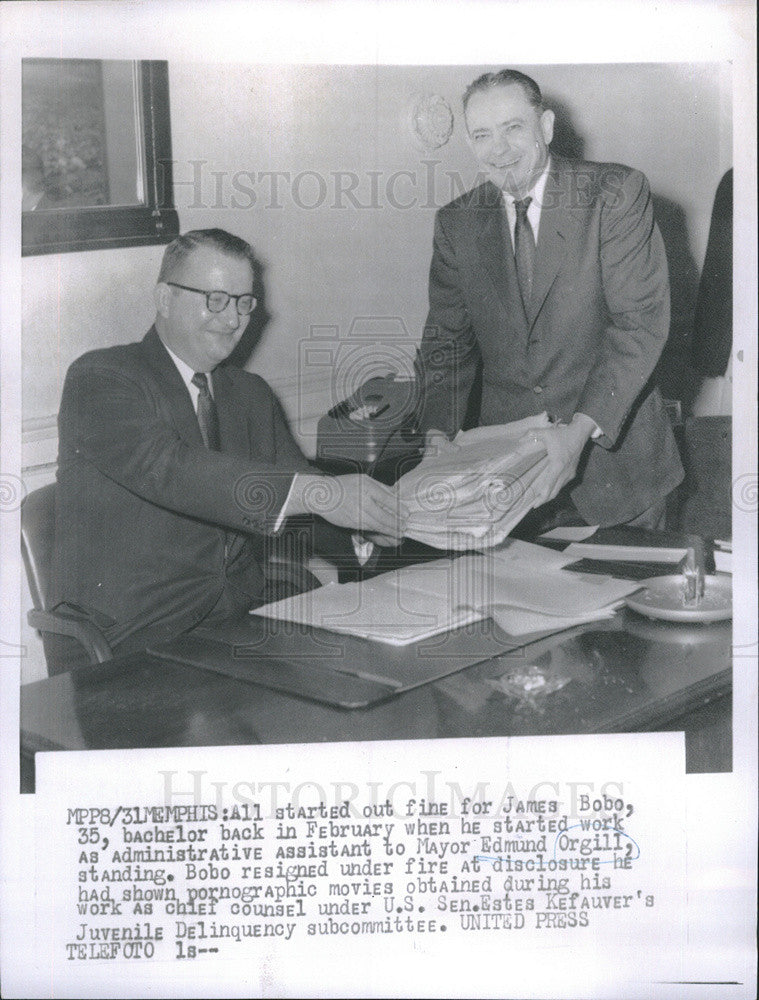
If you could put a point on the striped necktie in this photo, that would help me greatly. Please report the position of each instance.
(208, 418)
(524, 249)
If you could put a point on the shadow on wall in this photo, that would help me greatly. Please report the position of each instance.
(257, 323)
(567, 141)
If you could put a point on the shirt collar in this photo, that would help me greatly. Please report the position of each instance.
(536, 192)
(185, 371)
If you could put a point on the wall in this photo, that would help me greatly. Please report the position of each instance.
(344, 231)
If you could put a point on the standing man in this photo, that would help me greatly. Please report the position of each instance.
(552, 275)
(173, 468)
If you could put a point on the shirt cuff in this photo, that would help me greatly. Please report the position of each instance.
(596, 433)
(362, 548)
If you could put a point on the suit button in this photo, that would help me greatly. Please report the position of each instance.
(537, 389)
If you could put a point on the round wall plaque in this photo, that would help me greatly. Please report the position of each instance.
(431, 121)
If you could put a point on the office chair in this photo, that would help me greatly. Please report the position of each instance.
(37, 539)
(286, 573)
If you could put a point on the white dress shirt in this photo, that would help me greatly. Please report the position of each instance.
(535, 207)
(187, 373)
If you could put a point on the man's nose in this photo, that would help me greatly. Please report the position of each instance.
(501, 143)
(230, 315)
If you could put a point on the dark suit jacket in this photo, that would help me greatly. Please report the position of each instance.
(588, 341)
(154, 533)
(713, 324)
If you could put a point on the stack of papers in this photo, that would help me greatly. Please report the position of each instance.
(522, 587)
(472, 495)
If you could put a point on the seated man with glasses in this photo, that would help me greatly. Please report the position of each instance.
(174, 470)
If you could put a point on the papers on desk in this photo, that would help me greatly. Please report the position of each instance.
(518, 621)
(531, 592)
(549, 590)
(623, 544)
(400, 607)
(521, 586)
(625, 553)
(528, 557)
(445, 514)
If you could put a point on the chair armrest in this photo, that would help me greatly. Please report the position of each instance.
(90, 637)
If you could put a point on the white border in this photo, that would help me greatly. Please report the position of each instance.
(613, 31)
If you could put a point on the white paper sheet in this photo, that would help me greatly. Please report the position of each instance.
(699, 944)
(518, 621)
(399, 607)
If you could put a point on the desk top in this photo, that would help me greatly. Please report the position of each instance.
(627, 674)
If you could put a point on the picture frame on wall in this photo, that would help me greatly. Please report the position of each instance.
(96, 155)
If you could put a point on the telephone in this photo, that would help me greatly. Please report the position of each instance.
(374, 429)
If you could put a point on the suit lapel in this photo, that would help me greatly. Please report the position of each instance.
(496, 252)
(179, 404)
(173, 390)
(233, 431)
(556, 226)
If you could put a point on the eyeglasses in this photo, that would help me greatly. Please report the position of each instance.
(218, 301)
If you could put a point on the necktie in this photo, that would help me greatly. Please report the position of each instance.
(524, 249)
(208, 418)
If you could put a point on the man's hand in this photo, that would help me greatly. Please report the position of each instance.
(352, 501)
(564, 444)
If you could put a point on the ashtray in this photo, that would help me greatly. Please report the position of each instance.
(663, 597)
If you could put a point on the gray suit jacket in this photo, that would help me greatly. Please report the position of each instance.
(154, 533)
(587, 342)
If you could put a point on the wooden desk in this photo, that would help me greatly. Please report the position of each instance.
(624, 675)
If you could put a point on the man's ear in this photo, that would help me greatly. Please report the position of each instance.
(161, 297)
(547, 120)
